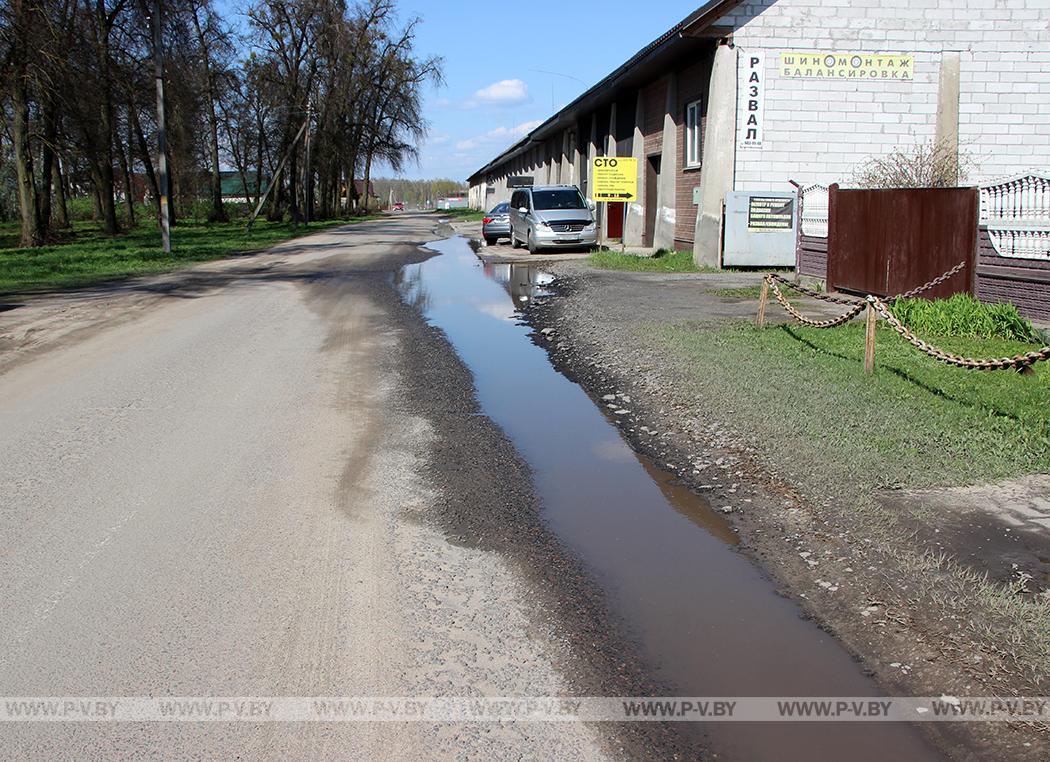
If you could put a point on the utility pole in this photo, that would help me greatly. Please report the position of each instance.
(162, 126)
(308, 193)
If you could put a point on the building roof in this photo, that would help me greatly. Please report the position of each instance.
(694, 25)
(232, 185)
(359, 186)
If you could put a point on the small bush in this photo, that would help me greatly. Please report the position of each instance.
(928, 164)
(963, 316)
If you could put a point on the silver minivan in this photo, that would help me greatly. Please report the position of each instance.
(551, 217)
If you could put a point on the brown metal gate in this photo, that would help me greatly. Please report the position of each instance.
(886, 242)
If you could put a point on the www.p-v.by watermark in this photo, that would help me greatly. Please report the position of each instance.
(521, 709)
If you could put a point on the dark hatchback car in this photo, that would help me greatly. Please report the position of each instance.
(496, 224)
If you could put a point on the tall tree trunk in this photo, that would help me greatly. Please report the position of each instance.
(368, 176)
(218, 211)
(129, 198)
(28, 202)
(47, 162)
(323, 184)
(103, 161)
(293, 177)
(105, 182)
(96, 197)
(59, 211)
(144, 157)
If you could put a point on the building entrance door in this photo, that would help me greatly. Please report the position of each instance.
(615, 218)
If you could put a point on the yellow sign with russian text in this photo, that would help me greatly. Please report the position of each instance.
(846, 65)
(615, 178)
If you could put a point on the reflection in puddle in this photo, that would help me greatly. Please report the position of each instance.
(522, 282)
(709, 622)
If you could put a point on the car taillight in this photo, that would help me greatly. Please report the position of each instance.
(486, 221)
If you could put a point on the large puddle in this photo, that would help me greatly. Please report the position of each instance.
(709, 622)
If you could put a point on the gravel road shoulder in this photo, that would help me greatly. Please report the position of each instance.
(885, 600)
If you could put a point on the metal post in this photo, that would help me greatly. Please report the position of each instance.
(162, 127)
(623, 229)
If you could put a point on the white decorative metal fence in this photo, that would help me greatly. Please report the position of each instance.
(811, 244)
(1016, 212)
(814, 203)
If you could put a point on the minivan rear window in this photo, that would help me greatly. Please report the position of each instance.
(569, 198)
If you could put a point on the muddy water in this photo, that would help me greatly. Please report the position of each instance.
(708, 621)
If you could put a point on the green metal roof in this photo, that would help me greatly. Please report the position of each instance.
(232, 185)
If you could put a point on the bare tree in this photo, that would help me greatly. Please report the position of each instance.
(214, 43)
(78, 105)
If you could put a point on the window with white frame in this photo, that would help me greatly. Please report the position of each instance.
(693, 134)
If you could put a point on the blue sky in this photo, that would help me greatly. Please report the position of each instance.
(493, 95)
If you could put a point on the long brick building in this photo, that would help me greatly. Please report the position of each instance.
(751, 95)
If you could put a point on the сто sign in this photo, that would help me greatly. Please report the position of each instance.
(615, 178)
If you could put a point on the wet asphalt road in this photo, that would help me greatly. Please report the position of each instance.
(255, 485)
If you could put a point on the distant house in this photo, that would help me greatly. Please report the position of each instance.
(359, 186)
(234, 188)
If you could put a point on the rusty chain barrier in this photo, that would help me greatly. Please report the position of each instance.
(1017, 362)
(810, 292)
(876, 306)
(855, 309)
(838, 300)
(927, 286)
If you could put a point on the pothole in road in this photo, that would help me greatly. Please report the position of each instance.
(708, 621)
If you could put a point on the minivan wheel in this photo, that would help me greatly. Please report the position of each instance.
(513, 240)
(533, 248)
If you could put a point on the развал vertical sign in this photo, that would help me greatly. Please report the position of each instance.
(753, 91)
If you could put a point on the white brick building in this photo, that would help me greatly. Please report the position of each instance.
(838, 82)
(817, 130)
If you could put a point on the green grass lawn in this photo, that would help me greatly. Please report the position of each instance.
(661, 262)
(801, 398)
(87, 256)
(915, 422)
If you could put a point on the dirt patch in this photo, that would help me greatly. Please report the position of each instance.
(1002, 530)
(917, 623)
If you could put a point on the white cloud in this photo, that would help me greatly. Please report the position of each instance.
(500, 135)
(506, 92)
